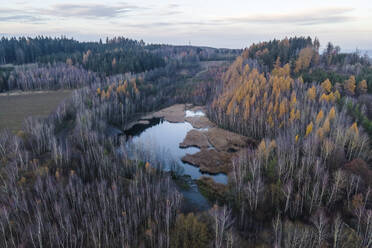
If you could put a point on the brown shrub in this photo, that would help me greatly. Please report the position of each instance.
(360, 168)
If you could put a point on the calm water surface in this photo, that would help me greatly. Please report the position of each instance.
(162, 139)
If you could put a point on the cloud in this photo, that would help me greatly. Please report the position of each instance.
(88, 10)
(147, 25)
(22, 18)
(65, 10)
(169, 24)
(169, 13)
(173, 5)
(307, 17)
(15, 15)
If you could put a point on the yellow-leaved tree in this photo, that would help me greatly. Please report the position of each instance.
(349, 86)
(311, 93)
(354, 129)
(326, 126)
(327, 86)
(362, 87)
(309, 128)
(337, 95)
(304, 59)
(332, 113)
(319, 117)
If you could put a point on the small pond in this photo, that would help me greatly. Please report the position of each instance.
(162, 138)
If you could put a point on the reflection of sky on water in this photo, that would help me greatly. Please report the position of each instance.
(164, 139)
(190, 113)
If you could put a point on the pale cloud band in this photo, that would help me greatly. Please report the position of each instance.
(69, 10)
(304, 17)
(89, 10)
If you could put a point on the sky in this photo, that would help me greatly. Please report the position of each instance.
(230, 24)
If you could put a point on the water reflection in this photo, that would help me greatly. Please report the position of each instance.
(158, 142)
(190, 113)
(162, 139)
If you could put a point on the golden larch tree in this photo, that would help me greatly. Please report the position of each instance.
(337, 95)
(332, 113)
(354, 129)
(323, 97)
(319, 117)
(349, 86)
(331, 97)
(311, 93)
(309, 128)
(326, 126)
(327, 86)
(362, 87)
(304, 59)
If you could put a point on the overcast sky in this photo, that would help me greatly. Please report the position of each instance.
(232, 24)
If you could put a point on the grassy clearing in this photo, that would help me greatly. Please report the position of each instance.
(15, 107)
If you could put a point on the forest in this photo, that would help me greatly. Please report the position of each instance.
(304, 182)
(44, 57)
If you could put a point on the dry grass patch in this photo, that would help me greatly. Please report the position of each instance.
(14, 108)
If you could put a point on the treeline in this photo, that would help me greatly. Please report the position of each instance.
(114, 56)
(49, 77)
(196, 53)
(25, 50)
(117, 55)
(66, 76)
(333, 65)
(305, 60)
(287, 50)
(28, 50)
(37, 63)
(309, 178)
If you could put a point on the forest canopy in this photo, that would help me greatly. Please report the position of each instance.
(302, 180)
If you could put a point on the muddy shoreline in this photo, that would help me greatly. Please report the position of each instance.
(217, 146)
(210, 161)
